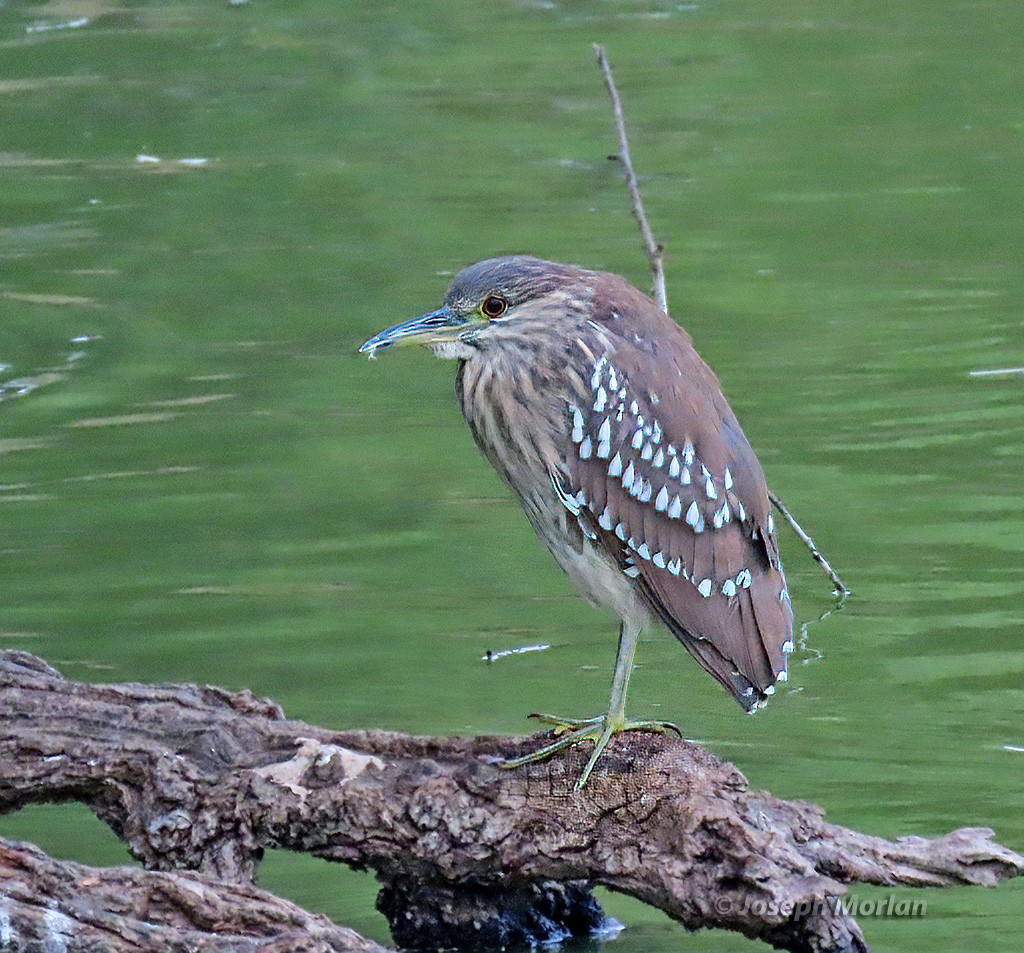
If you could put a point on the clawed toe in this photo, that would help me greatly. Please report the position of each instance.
(563, 740)
(570, 731)
(658, 727)
(563, 725)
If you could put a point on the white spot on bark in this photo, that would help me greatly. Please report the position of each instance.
(661, 501)
(675, 509)
(704, 587)
(615, 467)
(585, 449)
(659, 459)
(7, 932)
(59, 929)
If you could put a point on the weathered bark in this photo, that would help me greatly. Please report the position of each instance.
(202, 779)
(50, 905)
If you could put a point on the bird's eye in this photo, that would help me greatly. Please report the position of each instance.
(494, 306)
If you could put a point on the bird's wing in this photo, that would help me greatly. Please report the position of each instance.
(666, 482)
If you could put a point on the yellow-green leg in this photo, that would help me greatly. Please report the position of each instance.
(568, 731)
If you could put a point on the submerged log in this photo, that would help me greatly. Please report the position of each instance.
(200, 779)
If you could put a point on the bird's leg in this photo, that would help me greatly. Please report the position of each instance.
(601, 729)
(616, 721)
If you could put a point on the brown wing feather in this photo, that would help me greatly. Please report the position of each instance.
(672, 489)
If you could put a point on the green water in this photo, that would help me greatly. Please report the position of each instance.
(214, 487)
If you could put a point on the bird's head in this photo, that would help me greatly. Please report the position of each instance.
(483, 300)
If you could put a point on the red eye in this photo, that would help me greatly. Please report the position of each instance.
(494, 306)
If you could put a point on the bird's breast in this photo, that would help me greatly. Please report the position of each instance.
(517, 417)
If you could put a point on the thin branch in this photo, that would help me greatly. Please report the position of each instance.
(653, 249)
(655, 253)
(840, 587)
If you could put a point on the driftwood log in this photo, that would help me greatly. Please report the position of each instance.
(198, 781)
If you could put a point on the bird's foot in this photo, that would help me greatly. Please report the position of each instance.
(559, 726)
(600, 730)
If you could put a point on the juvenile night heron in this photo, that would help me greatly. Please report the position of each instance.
(595, 409)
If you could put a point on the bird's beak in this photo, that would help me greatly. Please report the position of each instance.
(433, 328)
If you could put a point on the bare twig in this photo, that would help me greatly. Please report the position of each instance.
(840, 587)
(655, 253)
(654, 250)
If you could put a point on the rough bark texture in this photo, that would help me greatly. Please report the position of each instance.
(200, 779)
(50, 905)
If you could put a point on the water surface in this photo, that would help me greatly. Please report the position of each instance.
(200, 480)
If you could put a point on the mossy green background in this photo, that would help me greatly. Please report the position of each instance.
(219, 490)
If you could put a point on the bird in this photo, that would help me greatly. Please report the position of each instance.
(595, 409)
